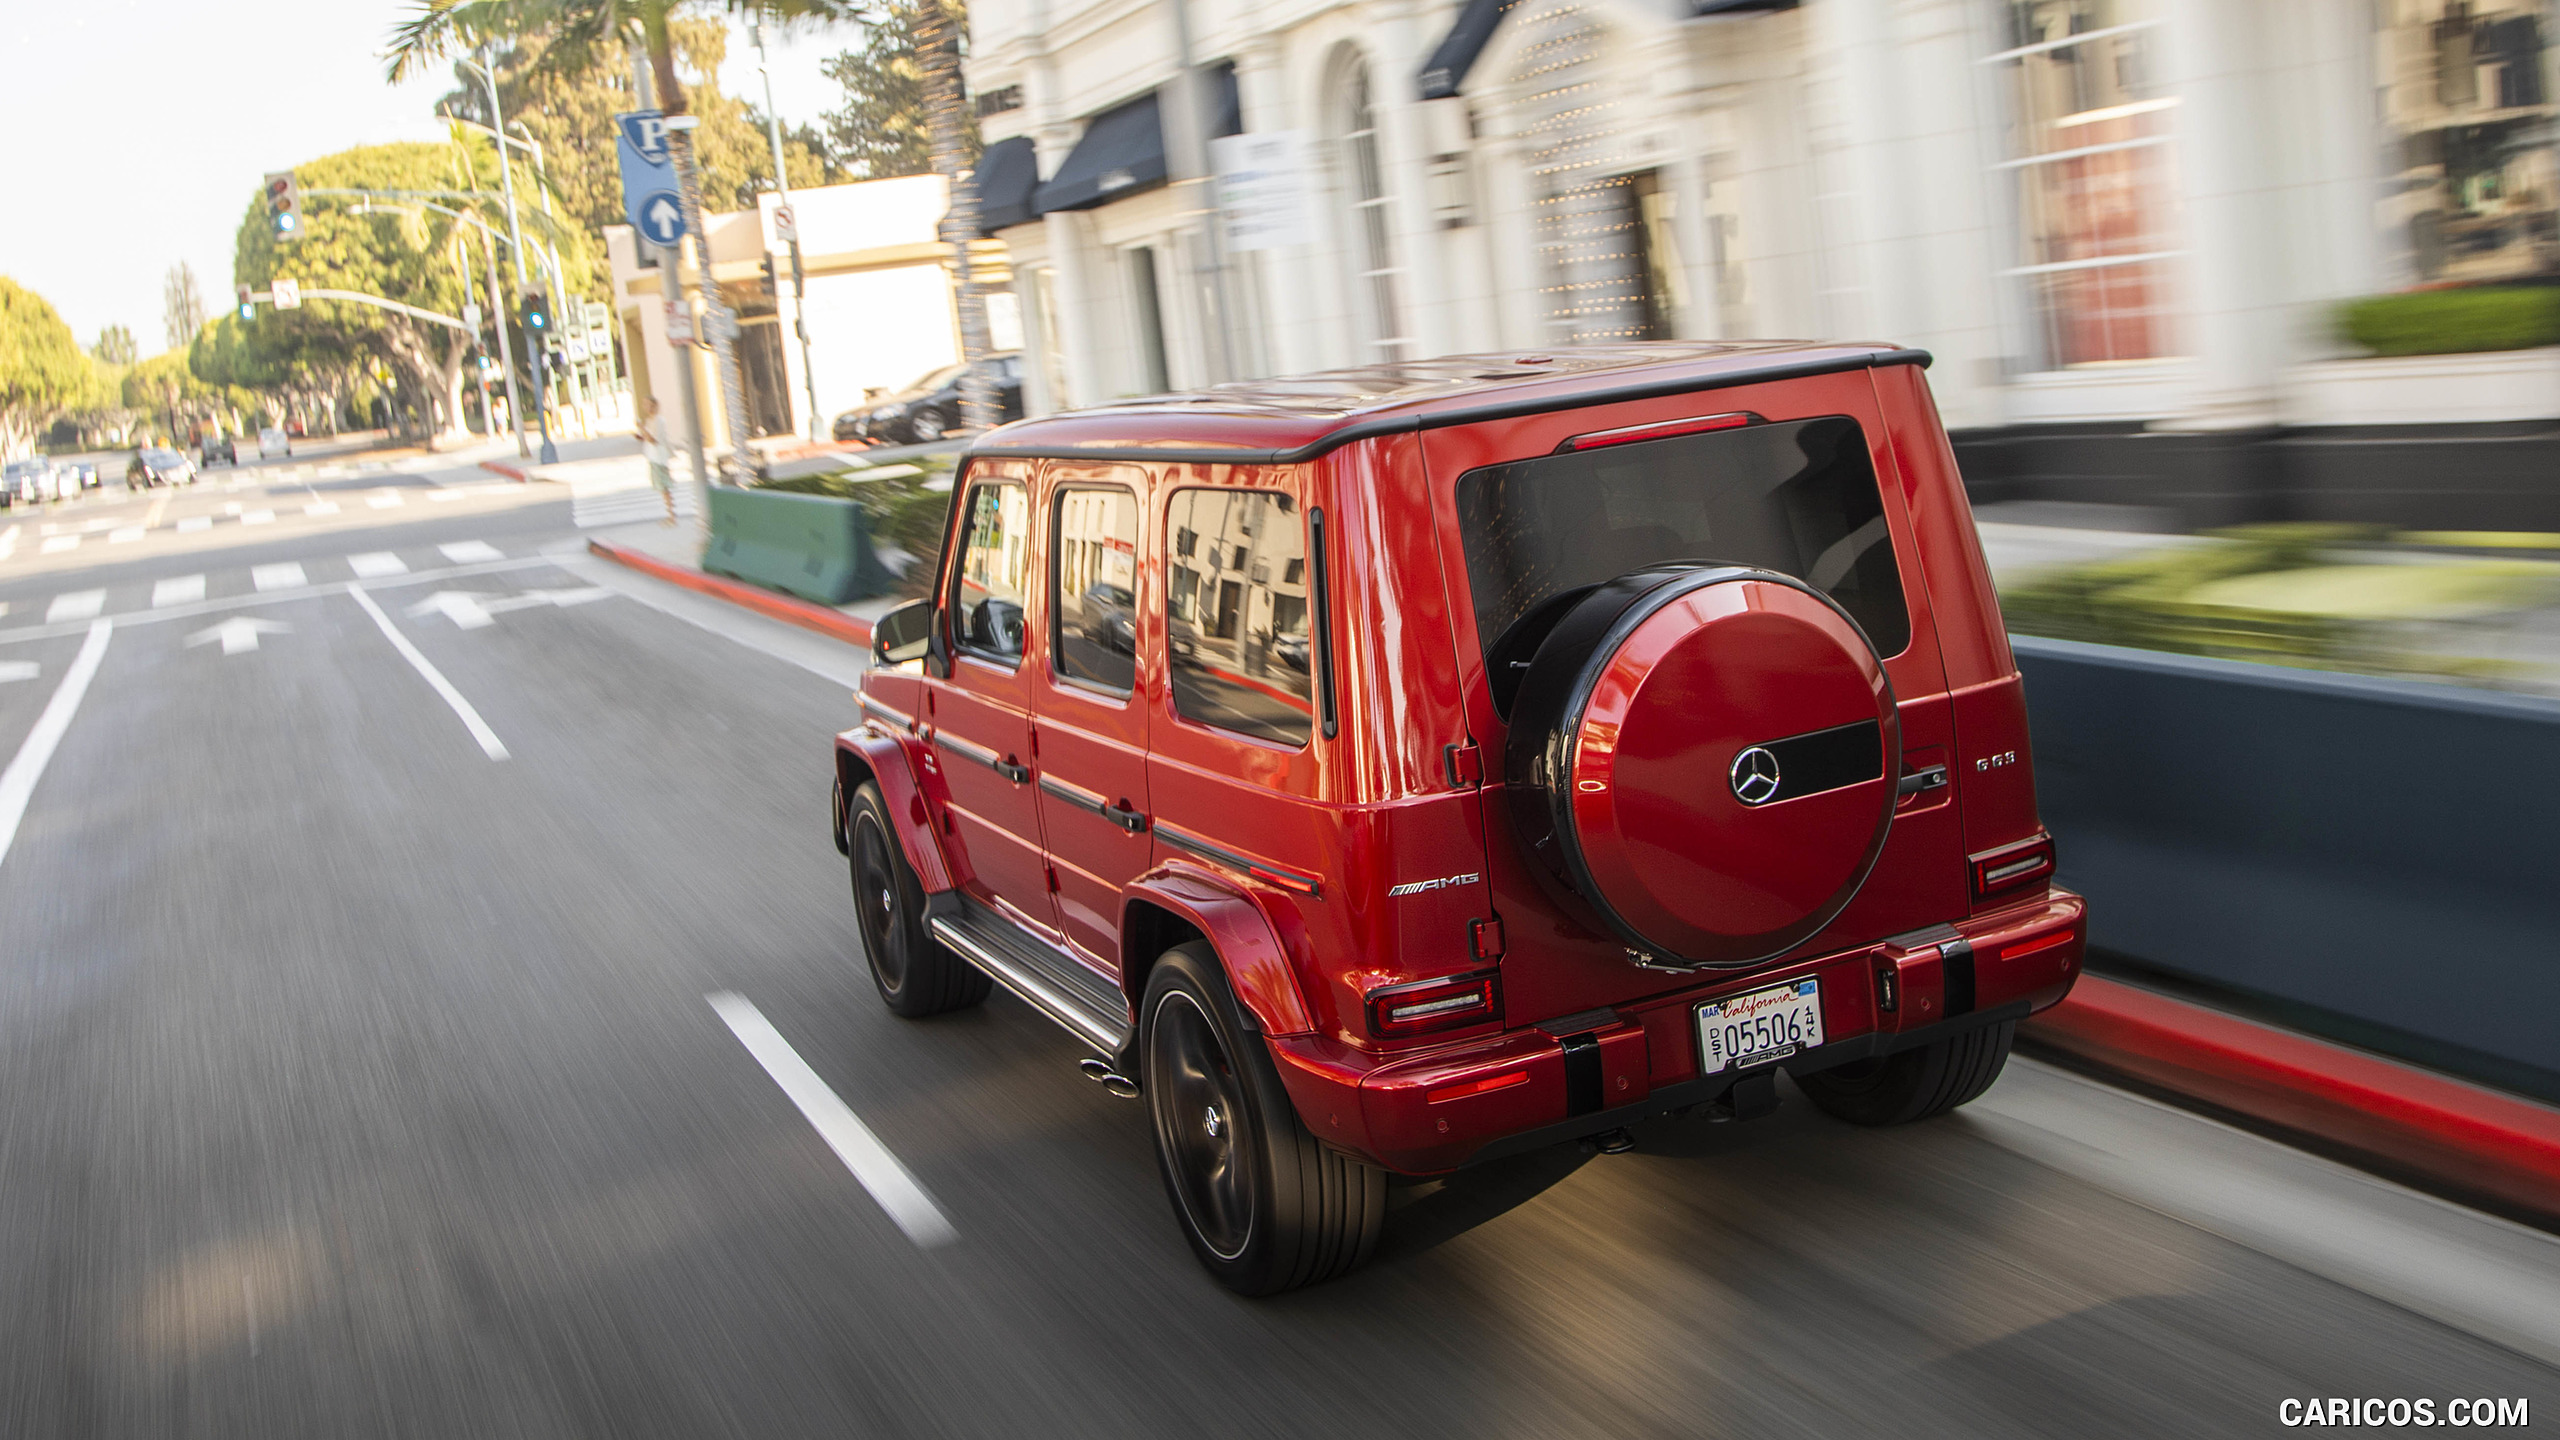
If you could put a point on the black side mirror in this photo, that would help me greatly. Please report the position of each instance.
(903, 634)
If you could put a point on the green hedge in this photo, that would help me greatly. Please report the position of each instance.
(2450, 322)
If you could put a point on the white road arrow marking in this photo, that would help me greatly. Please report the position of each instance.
(18, 670)
(462, 607)
(581, 596)
(238, 633)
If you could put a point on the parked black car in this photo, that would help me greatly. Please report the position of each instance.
(157, 465)
(930, 408)
(222, 448)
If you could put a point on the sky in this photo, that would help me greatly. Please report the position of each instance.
(139, 130)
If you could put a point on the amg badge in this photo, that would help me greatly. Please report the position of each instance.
(1416, 887)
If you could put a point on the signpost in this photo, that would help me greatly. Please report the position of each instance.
(288, 293)
(1262, 188)
(648, 176)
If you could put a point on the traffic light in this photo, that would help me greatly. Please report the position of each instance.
(537, 312)
(284, 205)
(765, 284)
(248, 307)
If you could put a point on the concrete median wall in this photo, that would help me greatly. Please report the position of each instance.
(2382, 855)
(815, 546)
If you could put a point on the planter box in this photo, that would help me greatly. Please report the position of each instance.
(2483, 387)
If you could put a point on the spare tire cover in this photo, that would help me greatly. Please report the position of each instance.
(1706, 756)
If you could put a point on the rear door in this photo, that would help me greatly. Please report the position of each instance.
(979, 715)
(1091, 724)
(1801, 479)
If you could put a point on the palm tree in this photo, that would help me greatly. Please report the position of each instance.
(579, 29)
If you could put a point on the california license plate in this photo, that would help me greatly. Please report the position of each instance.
(1757, 1028)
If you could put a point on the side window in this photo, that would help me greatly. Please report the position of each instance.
(1236, 613)
(987, 591)
(1094, 575)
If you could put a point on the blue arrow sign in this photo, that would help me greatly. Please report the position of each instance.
(648, 175)
(660, 217)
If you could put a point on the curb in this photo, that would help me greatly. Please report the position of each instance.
(2471, 1139)
(512, 472)
(803, 613)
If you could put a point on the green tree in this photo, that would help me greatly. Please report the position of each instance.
(115, 347)
(885, 128)
(42, 372)
(385, 248)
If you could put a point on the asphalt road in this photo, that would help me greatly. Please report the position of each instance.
(355, 1081)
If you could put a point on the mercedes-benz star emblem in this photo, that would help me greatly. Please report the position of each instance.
(1755, 776)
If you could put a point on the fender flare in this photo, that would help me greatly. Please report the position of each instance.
(1239, 926)
(866, 753)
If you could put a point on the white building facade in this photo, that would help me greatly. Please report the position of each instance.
(2118, 219)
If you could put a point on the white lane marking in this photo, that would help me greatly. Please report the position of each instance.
(8, 541)
(374, 564)
(471, 720)
(462, 607)
(463, 552)
(151, 517)
(578, 595)
(177, 590)
(125, 536)
(321, 507)
(889, 1182)
(18, 782)
(259, 517)
(238, 633)
(75, 605)
(2479, 1274)
(385, 502)
(284, 575)
(18, 670)
(58, 544)
(232, 507)
(194, 523)
(440, 496)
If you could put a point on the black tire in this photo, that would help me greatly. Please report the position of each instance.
(1913, 1084)
(927, 425)
(1265, 1207)
(916, 974)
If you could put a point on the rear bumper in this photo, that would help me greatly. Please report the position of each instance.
(1454, 1105)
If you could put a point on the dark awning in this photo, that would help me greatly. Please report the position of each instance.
(1008, 172)
(1458, 50)
(1121, 154)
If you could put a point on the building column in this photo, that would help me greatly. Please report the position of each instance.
(1080, 308)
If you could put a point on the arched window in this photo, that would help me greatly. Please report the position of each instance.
(1364, 177)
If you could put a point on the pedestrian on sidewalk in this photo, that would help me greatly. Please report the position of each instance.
(654, 447)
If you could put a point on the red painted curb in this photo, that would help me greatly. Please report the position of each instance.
(2472, 1138)
(512, 472)
(802, 613)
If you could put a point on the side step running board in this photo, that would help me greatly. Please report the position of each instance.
(1039, 978)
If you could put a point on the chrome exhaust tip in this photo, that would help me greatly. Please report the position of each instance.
(1099, 1071)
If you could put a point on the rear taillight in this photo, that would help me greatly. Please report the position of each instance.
(1428, 1005)
(2013, 866)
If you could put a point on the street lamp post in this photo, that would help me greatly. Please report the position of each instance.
(782, 190)
(533, 358)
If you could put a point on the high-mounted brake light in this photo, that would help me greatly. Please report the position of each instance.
(2013, 865)
(1659, 430)
(1428, 1005)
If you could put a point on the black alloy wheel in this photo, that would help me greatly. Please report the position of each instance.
(926, 424)
(1265, 1207)
(916, 974)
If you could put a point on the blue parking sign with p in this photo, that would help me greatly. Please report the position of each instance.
(648, 176)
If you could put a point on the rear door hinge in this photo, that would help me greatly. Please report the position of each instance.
(1051, 873)
(1462, 761)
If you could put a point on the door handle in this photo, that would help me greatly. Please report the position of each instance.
(1933, 778)
(1013, 769)
(1124, 817)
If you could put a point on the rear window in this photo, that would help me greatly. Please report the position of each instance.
(1798, 497)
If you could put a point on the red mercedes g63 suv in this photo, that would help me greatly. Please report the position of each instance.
(1389, 769)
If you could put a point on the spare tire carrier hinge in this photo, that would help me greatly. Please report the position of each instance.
(1464, 768)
